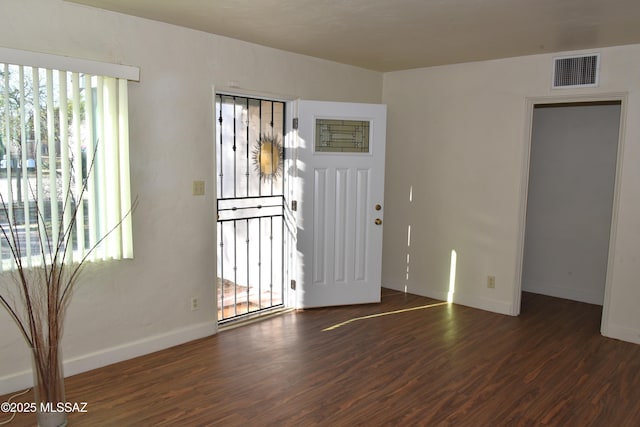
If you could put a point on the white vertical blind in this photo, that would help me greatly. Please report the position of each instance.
(112, 206)
(77, 157)
(91, 179)
(101, 173)
(123, 167)
(65, 169)
(23, 191)
(52, 122)
(37, 131)
(51, 136)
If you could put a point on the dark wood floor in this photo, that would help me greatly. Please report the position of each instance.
(440, 365)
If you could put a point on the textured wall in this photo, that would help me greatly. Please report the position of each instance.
(458, 136)
(123, 309)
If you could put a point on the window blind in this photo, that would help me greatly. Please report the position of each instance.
(64, 164)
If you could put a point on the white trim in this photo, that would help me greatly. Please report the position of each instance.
(483, 303)
(101, 358)
(467, 300)
(214, 196)
(66, 63)
(605, 327)
(522, 218)
(605, 322)
(292, 184)
(623, 333)
(473, 301)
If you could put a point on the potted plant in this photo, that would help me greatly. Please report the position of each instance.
(37, 294)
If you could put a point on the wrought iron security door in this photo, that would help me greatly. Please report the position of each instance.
(250, 204)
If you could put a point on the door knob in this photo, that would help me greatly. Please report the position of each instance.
(378, 221)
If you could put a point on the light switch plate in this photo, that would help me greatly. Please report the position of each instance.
(198, 188)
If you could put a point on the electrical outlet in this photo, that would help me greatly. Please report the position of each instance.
(195, 304)
(198, 188)
(491, 282)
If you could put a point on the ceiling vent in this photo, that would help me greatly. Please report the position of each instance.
(576, 71)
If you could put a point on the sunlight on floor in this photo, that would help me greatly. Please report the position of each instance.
(388, 313)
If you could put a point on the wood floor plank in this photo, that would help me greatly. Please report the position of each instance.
(422, 364)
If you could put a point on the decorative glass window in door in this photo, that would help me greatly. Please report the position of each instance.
(342, 136)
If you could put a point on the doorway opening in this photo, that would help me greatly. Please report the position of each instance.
(570, 199)
(250, 205)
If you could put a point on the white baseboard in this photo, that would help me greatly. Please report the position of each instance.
(609, 330)
(482, 303)
(108, 356)
(622, 333)
(430, 293)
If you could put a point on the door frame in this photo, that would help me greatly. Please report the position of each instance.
(530, 104)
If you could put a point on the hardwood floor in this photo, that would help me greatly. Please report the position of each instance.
(438, 365)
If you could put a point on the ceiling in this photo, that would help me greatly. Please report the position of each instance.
(389, 35)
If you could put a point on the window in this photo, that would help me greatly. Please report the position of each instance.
(63, 155)
(342, 136)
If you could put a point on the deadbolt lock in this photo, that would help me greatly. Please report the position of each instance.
(378, 207)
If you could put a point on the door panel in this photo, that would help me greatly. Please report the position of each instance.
(339, 242)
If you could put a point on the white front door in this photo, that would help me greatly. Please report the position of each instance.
(340, 163)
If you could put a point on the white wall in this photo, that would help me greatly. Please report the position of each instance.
(458, 135)
(123, 309)
(569, 200)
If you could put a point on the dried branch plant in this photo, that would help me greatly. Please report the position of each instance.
(37, 296)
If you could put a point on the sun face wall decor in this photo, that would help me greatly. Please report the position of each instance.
(267, 157)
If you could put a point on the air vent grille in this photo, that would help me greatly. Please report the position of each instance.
(576, 71)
